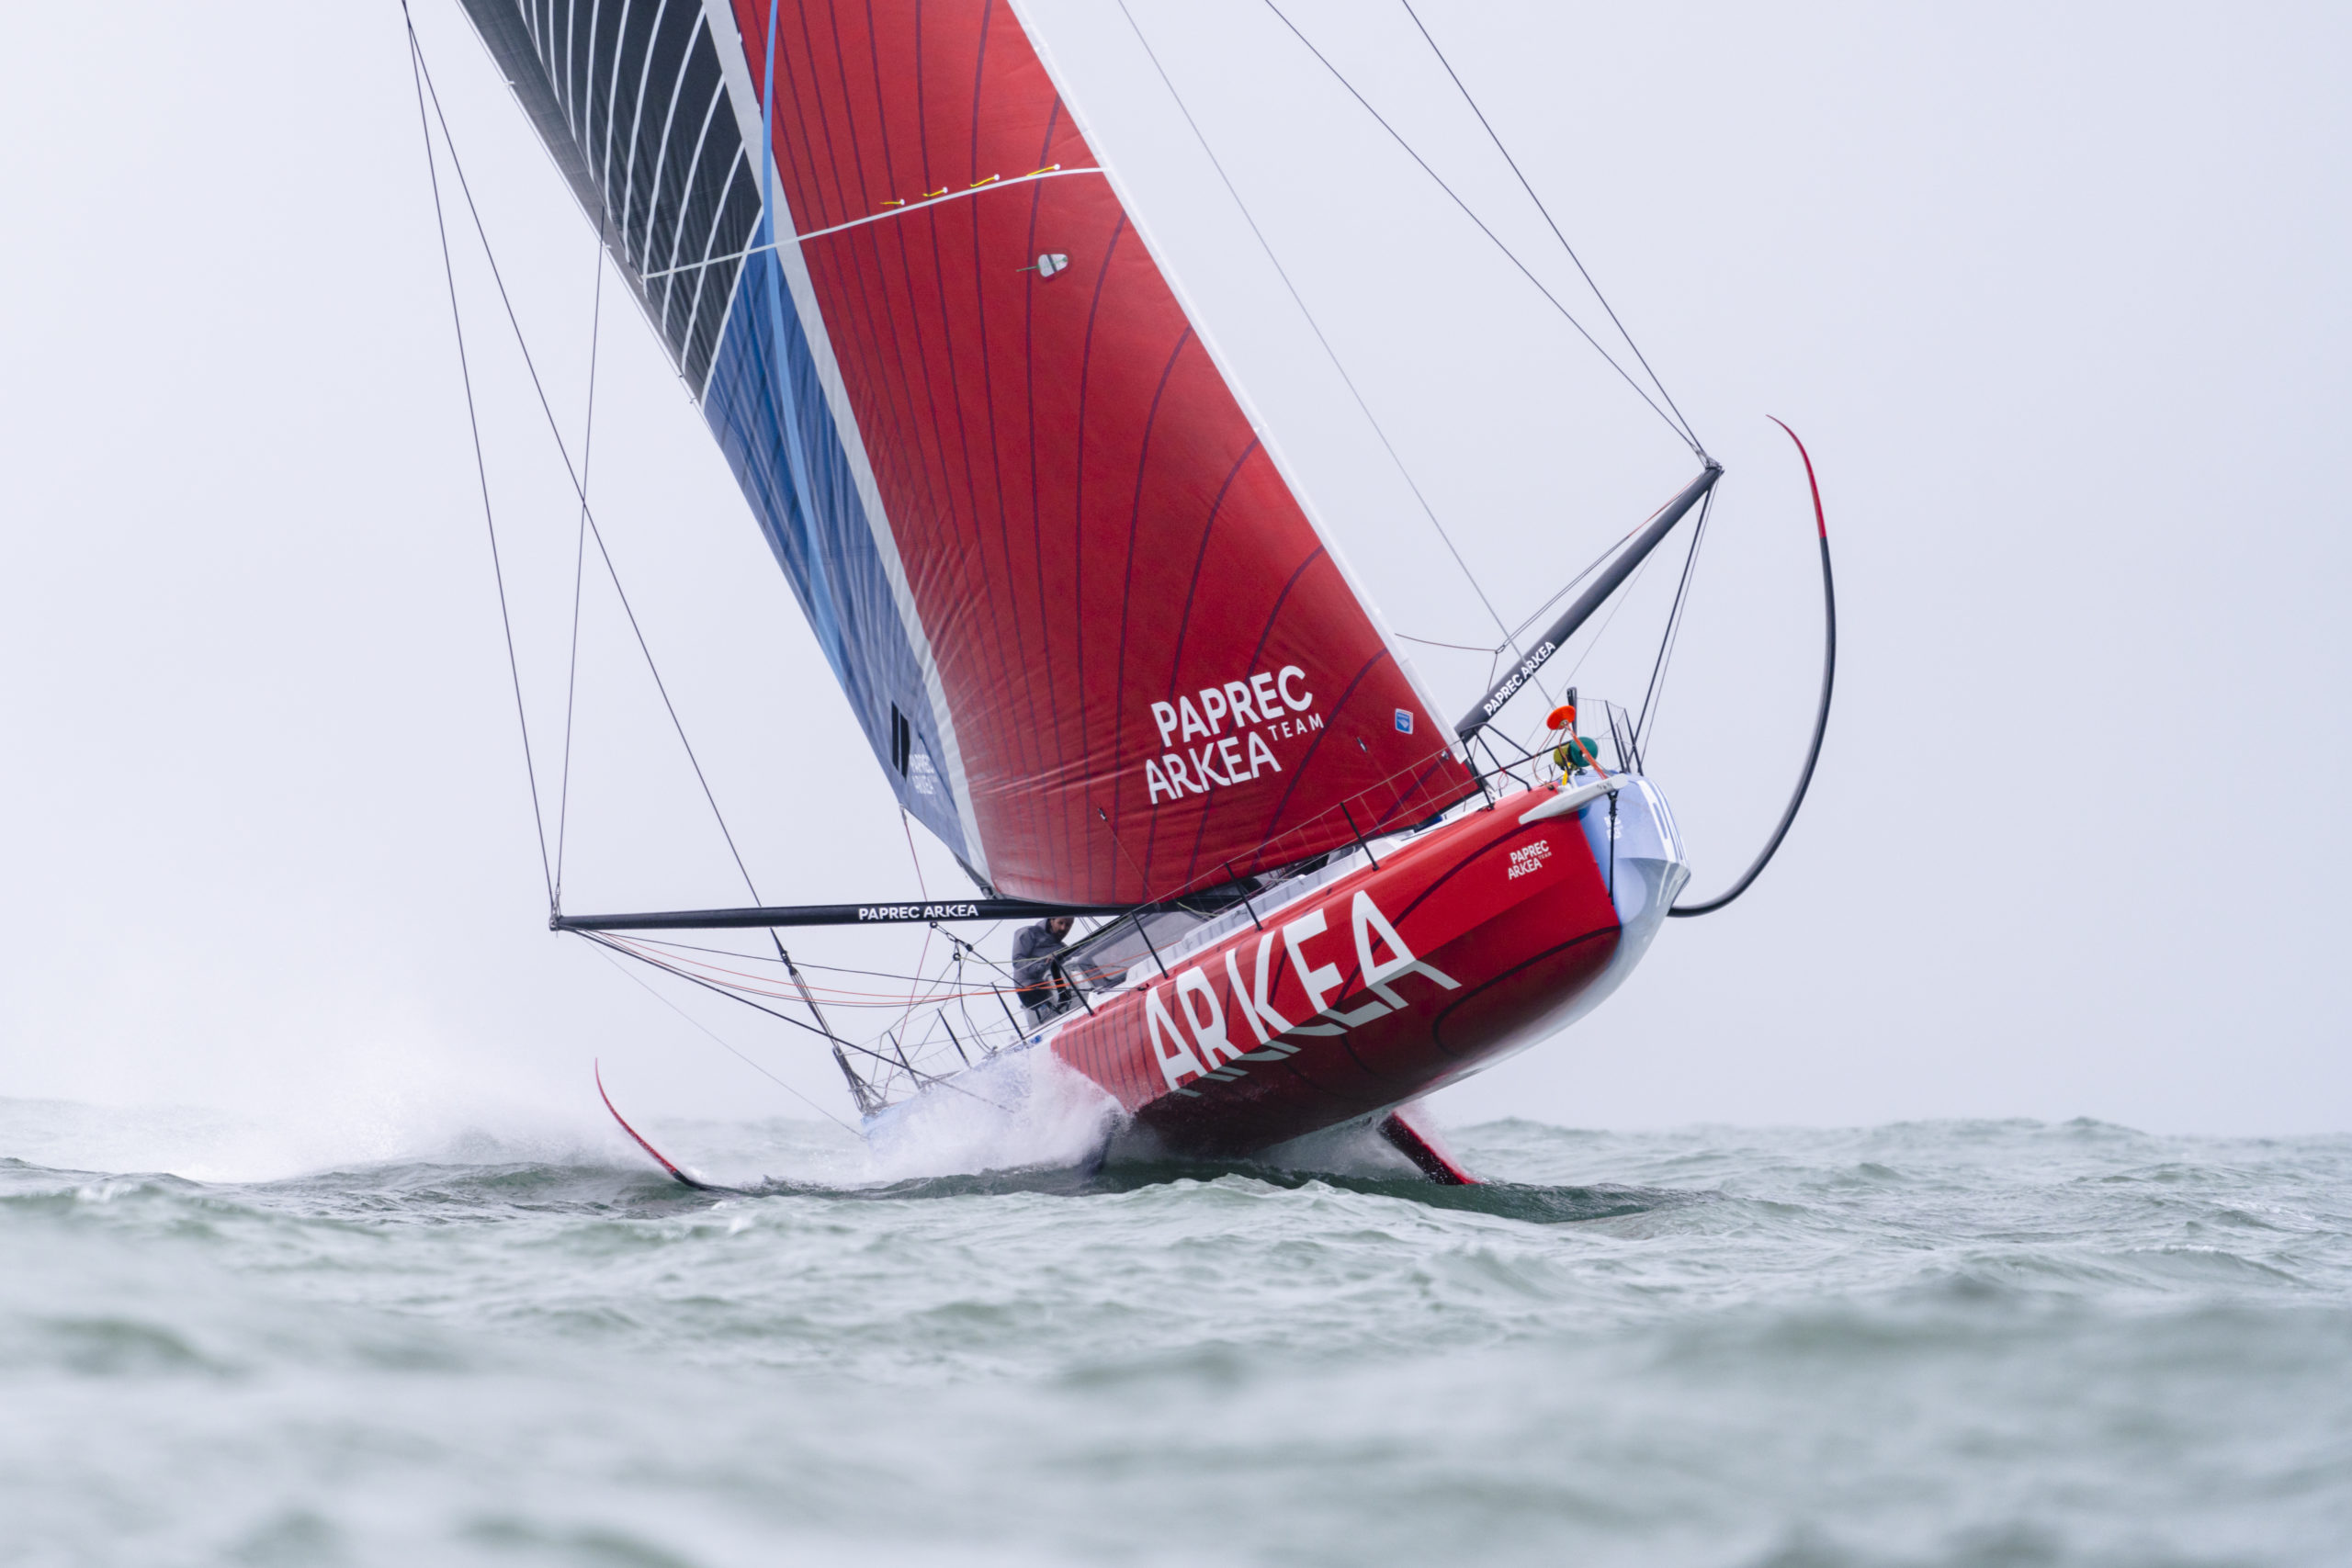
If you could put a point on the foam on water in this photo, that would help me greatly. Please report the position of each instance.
(1023, 1109)
(1925, 1344)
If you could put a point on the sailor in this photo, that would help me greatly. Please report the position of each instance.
(1034, 951)
(1573, 753)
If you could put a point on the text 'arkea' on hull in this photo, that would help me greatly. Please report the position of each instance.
(1101, 649)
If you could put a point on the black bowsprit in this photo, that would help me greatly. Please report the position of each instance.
(829, 915)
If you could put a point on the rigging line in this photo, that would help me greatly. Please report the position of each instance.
(792, 972)
(641, 981)
(1500, 767)
(732, 994)
(751, 982)
(722, 952)
(1538, 201)
(828, 968)
(1317, 327)
(967, 947)
(917, 206)
(547, 149)
(1588, 571)
(1625, 597)
(736, 982)
(580, 561)
(661, 686)
(555, 430)
(1655, 689)
(1565, 314)
(907, 828)
(1457, 647)
(737, 993)
(752, 985)
(482, 468)
(867, 1001)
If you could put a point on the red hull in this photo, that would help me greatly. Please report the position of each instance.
(1461, 945)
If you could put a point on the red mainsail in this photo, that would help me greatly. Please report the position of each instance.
(1094, 637)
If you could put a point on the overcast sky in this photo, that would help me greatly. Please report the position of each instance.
(2056, 300)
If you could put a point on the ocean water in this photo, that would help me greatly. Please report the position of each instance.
(1926, 1344)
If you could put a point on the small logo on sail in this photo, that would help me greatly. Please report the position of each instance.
(1527, 859)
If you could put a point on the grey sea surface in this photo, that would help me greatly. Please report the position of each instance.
(1925, 1344)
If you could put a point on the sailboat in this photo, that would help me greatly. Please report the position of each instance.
(1101, 649)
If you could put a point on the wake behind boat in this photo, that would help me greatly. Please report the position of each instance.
(1101, 646)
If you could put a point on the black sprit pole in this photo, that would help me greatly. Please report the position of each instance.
(1592, 598)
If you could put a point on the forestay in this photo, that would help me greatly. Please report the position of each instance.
(1095, 640)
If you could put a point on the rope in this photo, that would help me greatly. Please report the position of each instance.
(1313, 325)
(482, 468)
(928, 986)
(828, 968)
(1512, 256)
(1625, 597)
(555, 431)
(1457, 647)
(922, 1078)
(1655, 689)
(1538, 201)
(1543, 609)
(579, 568)
(641, 981)
(924, 958)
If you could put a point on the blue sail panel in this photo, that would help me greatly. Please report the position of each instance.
(766, 403)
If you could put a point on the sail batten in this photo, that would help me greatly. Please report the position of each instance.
(1097, 641)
